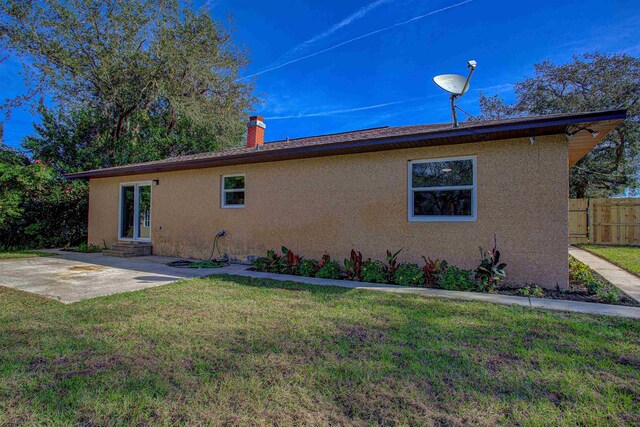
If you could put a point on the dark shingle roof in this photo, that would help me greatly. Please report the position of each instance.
(375, 139)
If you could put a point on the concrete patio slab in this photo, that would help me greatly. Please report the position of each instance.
(71, 276)
(623, 280)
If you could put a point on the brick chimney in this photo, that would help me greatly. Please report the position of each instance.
(255, 131)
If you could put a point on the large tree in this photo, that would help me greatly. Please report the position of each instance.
(38, 208)
(149, 71)
(590, 82)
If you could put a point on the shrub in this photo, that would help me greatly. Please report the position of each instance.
(593, 284)
(330, 270)
(308, 267)
(490, 272)
(271, 263)
(608, 294)
(374, 271)
(408, 274)
(580, 273)
(457, 279)
(261, 263)
(392, 264)
(290, 262)
(432, 269)
(353, 266)
(87, 248)
(533, 291)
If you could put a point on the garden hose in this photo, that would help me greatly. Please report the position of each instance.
(216, 247)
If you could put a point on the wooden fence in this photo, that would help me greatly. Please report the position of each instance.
(607, 221)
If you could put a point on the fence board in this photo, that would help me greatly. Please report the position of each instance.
(606, 221)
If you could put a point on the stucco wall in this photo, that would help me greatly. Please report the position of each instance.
(359, 201)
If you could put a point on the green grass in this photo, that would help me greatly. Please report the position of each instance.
(242, 351)
(627, 257)
(22, 254)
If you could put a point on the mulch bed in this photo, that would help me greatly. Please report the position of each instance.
(576, 292)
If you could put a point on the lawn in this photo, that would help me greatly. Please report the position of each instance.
(627, 257)
(22, 254)
(240, 351)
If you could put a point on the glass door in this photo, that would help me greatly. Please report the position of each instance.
(135, 211)
(144, 212)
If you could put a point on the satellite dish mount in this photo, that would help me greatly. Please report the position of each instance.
(457, 86)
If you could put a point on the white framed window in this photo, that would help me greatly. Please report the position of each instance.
(442, 189)
(233, 191)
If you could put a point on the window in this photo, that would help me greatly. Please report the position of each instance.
(233, 191)
(442, 189)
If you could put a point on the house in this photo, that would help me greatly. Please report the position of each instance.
(432, 190)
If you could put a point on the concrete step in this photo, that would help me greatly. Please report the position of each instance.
(117, 253)
(139, 249)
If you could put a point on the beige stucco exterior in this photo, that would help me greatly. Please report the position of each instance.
(333, 204)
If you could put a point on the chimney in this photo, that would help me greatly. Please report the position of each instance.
(255, 131)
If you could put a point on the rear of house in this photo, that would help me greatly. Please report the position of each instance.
(432, 190)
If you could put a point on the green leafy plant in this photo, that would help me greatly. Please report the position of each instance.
(271, 263)
(206, 264)
(457, 279)
(608, 294)
(392, 264)
(408, 274)
(353, 266)
(432, 269)
(87, 248)
(374, 271)
(581, 274)
(260, 263)
(308, 267)
(490, 272)
(330, 270)
(593, 284)
(533, 291)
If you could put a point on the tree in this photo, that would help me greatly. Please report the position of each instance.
(68, 142)
(590, 82)
(38, 208)
(140, 66)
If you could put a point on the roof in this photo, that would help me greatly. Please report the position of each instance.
(391, 138)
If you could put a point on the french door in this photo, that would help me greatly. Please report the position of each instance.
(135, 211)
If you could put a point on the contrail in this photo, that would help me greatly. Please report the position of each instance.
(293, 61)
(346, 110)
(346, 21)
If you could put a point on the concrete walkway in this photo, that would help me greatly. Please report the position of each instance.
(71, 277)
(621, 279)
(550, 304)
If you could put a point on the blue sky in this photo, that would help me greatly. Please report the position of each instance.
(333, 66)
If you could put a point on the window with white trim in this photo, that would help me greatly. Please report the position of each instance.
(233, 191)
(442, 189)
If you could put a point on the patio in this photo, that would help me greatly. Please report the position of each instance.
(71, 276)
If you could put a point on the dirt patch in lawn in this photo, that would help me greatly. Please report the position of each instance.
(86, 268)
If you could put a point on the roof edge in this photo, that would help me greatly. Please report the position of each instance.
(523, 126)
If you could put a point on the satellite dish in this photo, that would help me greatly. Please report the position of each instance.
(457, 86)
(452, 83)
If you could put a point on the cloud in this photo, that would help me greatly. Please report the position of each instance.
(499, 88)
(346, 21)
(378, 31)
(345, 110)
